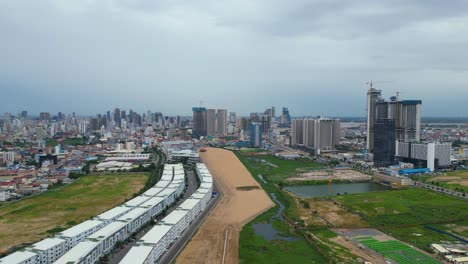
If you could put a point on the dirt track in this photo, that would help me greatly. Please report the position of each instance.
(235, 209)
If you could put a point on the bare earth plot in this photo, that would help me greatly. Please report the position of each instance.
(321, 175)
(243, 200)
(37, 217)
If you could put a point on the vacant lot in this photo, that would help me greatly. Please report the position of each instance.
(405, 207)
(36, 217)
(275, 169)
(243, 199)
(455, 180)
(335, 175)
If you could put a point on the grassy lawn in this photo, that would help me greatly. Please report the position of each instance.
(36, 217)
(275, 169)
(402, 213)
(455, 180)
(405, 207)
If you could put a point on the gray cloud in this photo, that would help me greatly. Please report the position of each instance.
(313, 56)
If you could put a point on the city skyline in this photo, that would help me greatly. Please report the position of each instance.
(87, 57)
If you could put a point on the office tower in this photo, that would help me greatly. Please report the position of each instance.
(320, 133)
(285, 118)
(117, 118)
(24, 114)
(431, 155)
(297, 135)
(266, 122)
(232, 117)
(44, 116)
(384, 142)
(108, 115)
(199, 122)
(406, 115)
(254, 117)
(216, 124)
(255, 134)
(273, 112)
(221, 123)
(83, 125)
(94, 124)
(60, 116)
(211, 122)
(39, 134)
(149, 117)
(373, 96)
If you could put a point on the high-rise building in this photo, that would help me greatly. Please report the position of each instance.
(431, 155)
(199, 122)
(285, 118)
(384, 142)
(44, 116)
(406, 115)
(211, 122)
(116, 116)
(297, 135)
(221, 123)
(232, 117)
(255, 134)
(320, 133)
(273, 112)
(216, 122)
(94, 124)
(373, 96)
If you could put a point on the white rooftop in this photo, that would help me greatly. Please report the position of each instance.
(75, 254)
(174, 217)
(155, 234)
(206, 185)
(108, 230)
(189, 204)
(153, 191)
(135, 213)
(80, 228)
(203, 190)
(137, 201)
(198, 195)
(166, 192)
(162, 184)
(17, 257)
(153, 201)
(207, 179)
(47, 243)
(137, 255)
(114, 212)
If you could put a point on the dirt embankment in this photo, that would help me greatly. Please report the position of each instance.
(237, 207)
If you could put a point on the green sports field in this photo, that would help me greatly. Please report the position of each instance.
(399, 252)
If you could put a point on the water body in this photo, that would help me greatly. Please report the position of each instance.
(308, 191)
(267, 231)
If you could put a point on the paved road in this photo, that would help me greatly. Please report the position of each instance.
(170, 255)
(117, 256)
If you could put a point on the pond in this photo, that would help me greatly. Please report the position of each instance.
(267, 230)
(308, 191)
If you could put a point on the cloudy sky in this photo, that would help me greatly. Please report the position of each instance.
(244, 55)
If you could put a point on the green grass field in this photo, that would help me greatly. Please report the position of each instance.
(397, 251)
(36, 217)
(402, 213)
(405, 207)
(275, 169)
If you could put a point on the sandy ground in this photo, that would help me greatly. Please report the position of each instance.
(349, 175)
(235, 209)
